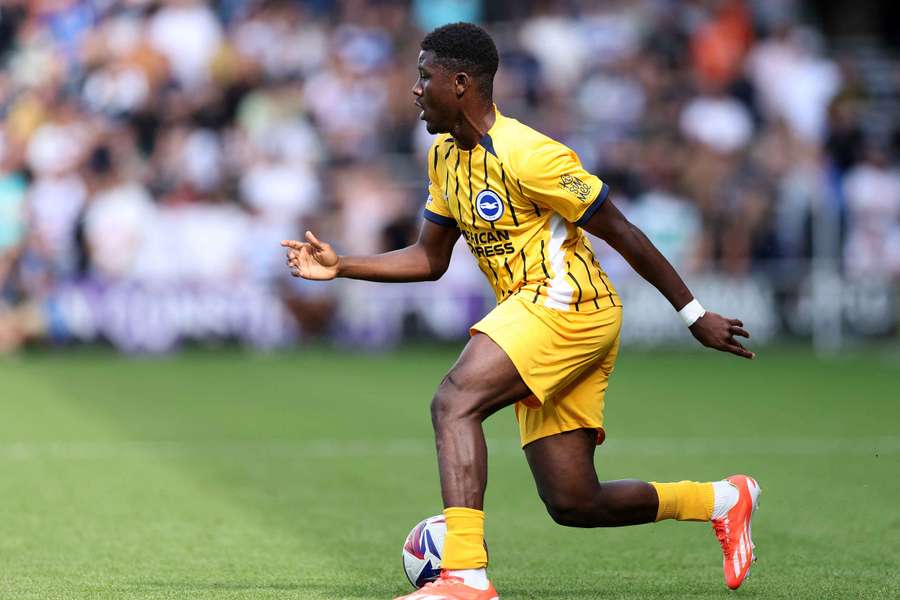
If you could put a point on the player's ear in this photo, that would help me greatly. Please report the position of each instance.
(461, 82)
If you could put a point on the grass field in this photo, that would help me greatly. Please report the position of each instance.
(226, 475)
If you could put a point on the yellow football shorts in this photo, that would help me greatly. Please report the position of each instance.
(565, 359)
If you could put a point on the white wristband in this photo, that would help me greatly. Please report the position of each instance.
(692, 311)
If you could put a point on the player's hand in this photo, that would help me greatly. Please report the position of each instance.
(311, 259)
(715, 331)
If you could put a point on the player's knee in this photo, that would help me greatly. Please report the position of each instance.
(451, 402)
(581, 507)
(442, 403)
(567, 512)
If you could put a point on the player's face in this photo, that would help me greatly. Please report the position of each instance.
(435, 95)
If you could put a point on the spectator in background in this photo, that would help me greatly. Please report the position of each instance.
(717, 121)
(367, 202)
(119, 214)
(282, 39)
(56, 197)
(794, 82)
(346, 105)
(872, 194)
(188, 34)
(670, 220)
(719, 44)
(13, 187)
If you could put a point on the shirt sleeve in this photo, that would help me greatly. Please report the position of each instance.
(436, 208)
(552, 176)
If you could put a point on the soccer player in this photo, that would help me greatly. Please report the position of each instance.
(521, 202)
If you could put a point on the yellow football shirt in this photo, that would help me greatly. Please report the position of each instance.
(518, 199)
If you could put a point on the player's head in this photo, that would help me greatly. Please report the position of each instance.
(456, 71)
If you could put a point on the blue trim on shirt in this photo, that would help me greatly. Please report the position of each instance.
(488, 144)
(439, 219)
(601, 196)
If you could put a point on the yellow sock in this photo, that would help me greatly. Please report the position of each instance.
(464, 544)
(685, 501)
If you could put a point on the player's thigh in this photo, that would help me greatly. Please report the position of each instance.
(563, 466)
(484, 379)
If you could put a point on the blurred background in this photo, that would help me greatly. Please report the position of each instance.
(154, 153)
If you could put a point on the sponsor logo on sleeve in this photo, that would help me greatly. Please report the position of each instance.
(575, 186)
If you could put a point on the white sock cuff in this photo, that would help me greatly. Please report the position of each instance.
(725, 496)
(474, 578)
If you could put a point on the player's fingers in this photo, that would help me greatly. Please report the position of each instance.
(292, 244)
(742, 352)
(315, 241)
(737, 330)
(736, 322)
(735, 347)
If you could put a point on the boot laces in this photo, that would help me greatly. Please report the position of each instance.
(723, 529)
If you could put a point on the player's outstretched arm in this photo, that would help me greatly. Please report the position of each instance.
(710, 329)
(426, 260)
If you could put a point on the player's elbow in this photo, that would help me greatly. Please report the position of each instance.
(436, 273)
(437, 268)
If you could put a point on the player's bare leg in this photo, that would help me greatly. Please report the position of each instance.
(482, 381)
(563, 469)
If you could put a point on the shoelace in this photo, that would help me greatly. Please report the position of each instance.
(720, 527)
(444, 578)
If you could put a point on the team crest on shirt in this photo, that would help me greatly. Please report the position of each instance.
(489, 206)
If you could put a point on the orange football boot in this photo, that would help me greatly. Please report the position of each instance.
(451, 588)
(734, 534)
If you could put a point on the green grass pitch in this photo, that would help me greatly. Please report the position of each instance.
(219, 475)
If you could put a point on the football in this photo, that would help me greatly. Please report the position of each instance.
(422, 551)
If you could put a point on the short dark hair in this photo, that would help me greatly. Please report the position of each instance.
(465, 47)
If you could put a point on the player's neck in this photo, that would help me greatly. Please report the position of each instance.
(473, 125)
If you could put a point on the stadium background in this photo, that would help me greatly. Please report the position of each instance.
(153, 154)
(153, 151)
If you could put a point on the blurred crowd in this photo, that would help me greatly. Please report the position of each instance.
(176, 142)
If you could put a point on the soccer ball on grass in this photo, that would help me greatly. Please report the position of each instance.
(423, 549)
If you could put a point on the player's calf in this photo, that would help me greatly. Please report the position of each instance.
(606, 504)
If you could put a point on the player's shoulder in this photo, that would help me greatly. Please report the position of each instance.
(441, 139)
(435, 153)
(523, 146)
